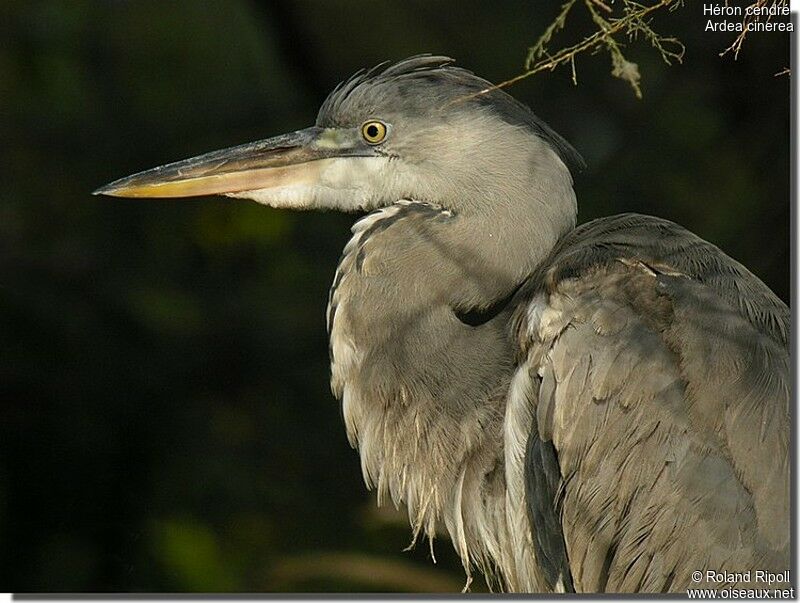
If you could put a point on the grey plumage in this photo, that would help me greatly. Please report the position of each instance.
(664, 388)
(425, 84)
(601, 408)
(545, 505)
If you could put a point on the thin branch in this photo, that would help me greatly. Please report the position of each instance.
(540, 48)
(618, 23)
(631, 24)
(752, 15)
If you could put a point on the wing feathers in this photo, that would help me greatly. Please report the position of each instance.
(663, 385)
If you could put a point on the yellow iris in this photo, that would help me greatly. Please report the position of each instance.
(373, 131)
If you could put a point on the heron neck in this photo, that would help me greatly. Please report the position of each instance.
(422, 390)
(509, 224)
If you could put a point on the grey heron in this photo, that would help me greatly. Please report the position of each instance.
(602, 407)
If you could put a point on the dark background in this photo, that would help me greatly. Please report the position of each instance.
(167, 422)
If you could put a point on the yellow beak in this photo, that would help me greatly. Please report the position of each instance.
(289, 159)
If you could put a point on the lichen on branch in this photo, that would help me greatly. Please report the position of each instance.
(618, 24)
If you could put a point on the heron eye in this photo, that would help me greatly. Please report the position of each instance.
(373, 131)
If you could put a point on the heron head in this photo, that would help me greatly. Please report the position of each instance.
(420, 129)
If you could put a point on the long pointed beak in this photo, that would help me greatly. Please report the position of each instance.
(286, 160)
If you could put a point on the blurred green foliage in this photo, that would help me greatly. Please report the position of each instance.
(164, 372)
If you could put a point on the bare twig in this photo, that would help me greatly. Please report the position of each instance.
(618, 23)
(752, 15)
(614, 28)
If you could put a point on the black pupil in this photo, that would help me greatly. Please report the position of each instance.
(372, 131)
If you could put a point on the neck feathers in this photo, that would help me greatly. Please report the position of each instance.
(423, 392)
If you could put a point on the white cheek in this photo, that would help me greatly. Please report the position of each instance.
(300, 196)
(353, 173)
(343, 183)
